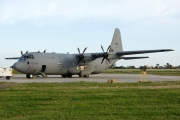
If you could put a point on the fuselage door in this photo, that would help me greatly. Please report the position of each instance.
(43, 69)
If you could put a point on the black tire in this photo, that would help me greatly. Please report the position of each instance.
(27, 76)
(7, 78)
(64, 76)
(86, 76)
(80, 76)
(69, 76)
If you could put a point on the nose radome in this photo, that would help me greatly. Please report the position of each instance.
(17, 66)
(14, 66)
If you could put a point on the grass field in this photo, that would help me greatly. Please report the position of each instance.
(1, 83)
(91, 101)
(168, 72)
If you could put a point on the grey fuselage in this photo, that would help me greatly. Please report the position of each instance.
(82, 64)
(59, 64)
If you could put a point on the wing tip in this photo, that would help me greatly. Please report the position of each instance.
(167, 50)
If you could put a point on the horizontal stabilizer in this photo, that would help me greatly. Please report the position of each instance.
(12, 58)
(130, 58)
(142, 51)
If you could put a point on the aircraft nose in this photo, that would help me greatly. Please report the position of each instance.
(17, 66)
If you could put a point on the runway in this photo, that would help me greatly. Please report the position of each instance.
(120, 78)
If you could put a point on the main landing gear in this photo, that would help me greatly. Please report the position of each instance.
(86, 76)
(70, 76)
(67, 76)
(29, 76)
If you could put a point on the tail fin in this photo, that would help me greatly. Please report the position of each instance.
(116, 44)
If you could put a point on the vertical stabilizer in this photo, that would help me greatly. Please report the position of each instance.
(116, 44)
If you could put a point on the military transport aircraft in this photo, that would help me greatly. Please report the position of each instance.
(82, 64)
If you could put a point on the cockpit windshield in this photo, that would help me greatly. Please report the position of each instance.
(26, 56)
(29, 56)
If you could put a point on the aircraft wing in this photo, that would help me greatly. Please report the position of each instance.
(12, 58)
(130, 58)
(142, 51)
(93, 56)
(97, 55)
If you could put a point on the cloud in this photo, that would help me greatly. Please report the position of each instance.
(122, 11)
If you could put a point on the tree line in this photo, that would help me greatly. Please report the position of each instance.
(157, 66)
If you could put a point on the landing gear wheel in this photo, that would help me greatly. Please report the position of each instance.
(27, 76)
(80, 75)
(86, 76)
(7, 78)
(64, 76)
(69, 76)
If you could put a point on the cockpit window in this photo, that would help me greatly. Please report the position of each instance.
(29, 56)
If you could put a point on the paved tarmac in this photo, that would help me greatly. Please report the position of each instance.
(93, 78)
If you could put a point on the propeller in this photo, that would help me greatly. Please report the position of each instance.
(45, 50)
(105, 54)
(81, 57)
(21, 52)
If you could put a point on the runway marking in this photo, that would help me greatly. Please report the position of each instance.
(7, 85)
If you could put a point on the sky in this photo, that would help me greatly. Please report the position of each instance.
(63, 25)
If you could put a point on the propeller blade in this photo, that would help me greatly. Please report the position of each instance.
(84, 50)
(103, 60)
(102, 48)
(45, 50)
(79, 61)
(27, 51)
(79, 50)
(108, 48)
(21, 52)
